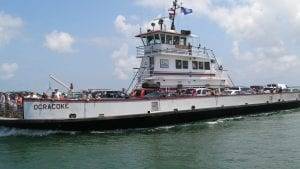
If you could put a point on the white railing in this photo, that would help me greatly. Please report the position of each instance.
(143, 51)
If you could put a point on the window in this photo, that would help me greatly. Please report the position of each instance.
(207, 66)
(169, 40)
(185, 64)
(164, 63)
(151, 65)
(178, 64)
(195, 65)
(182, 41)
(144, 39)
(163, 38)
(201, 65)
(150, 40)
(157, 39)
(176, 40)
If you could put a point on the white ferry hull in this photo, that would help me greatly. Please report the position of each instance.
(108, 115)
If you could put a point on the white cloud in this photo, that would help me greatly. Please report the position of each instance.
(60, 42)
(123, 62)
(9, 27)
(124, 27)
(7, 71)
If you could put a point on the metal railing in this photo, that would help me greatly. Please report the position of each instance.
(143, 51)
(8, 110)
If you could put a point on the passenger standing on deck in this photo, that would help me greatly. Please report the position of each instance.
(2, 102)
(19, 100)
(57, 94)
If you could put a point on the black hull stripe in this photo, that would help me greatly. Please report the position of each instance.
(147, 120)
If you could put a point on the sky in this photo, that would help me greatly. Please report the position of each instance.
(92, 44)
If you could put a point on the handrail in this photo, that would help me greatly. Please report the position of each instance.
(193, 51)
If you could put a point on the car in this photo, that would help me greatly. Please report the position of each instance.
(277, 86)
(268, 90)
(238, 90)
(257, 89)
(232, 92)
(203, 92)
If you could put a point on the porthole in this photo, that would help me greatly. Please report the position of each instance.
(72, 116)
(193, 107)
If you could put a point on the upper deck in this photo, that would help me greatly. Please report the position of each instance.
(160, 42)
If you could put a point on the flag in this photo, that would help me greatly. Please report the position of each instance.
(186, 11)
(171, 13)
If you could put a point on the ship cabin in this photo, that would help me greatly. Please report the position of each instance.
(169, 59)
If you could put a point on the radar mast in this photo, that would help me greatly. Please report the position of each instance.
(172, 14)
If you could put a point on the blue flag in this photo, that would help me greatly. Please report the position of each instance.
(186, 11)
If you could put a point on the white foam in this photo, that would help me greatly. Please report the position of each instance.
(6, 132)
(165, 127)
(212, 122)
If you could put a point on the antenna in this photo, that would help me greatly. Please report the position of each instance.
(172, 14)
(161, 22)
(153, 25)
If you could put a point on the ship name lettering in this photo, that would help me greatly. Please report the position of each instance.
(50, 106)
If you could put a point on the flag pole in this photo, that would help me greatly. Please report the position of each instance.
(175, 7)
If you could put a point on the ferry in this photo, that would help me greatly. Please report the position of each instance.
(178, 81)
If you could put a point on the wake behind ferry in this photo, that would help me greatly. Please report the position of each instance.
(178, 81)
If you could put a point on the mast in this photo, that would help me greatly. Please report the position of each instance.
(172, 14)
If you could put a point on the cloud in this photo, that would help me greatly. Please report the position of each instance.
(10, 27)
(7, 71)
(123, 62)
(60, 42)
(124, 27)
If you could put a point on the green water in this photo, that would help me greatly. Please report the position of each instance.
(270, 140)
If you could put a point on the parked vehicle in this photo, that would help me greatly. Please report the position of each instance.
(277, 86)
(257, 89)
(203, 92)
(238, 90)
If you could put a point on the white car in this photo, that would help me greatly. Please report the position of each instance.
(232, 92)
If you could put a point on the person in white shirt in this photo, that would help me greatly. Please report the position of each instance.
(2, 102)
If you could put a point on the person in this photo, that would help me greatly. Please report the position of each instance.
(57, 94)
(2, 102)
(19, 101)
(44, 96)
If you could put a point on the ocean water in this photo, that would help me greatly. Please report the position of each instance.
(269, 140)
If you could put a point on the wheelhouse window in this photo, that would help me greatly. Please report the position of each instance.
(163, 38)
(207, 66)
(201, 65)
(144, 40)
(195, 65)
(178, 64)
(164, 63)
(176, 40)
(182, 41)
(150, 40)
(157, 39)
(169, 39)
(185, 64)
